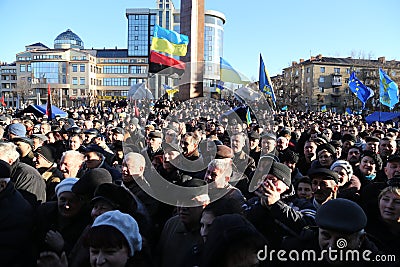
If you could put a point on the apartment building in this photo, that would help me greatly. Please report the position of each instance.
(323, 81)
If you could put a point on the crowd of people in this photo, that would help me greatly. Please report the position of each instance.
(193, 183)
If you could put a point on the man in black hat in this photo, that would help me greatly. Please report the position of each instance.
(96, 158)
(118, 134)
(324, 185)
(153, 147)
(268, 211)
(89, 135)
(340, 231)
(46, 166)
(25, 149)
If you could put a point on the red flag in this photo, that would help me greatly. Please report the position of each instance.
(2, 101)
(159, 62)
(48, 109)
(137, 113)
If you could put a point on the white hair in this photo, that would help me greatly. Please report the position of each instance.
(74, 154)
(225, 165)
(135, 161)
(8, 151)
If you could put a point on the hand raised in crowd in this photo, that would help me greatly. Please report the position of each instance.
(268, 193)
(55, 240)
(51, 259)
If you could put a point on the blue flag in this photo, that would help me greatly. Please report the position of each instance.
(389, 91)
(358, 88)
(348, 111)
(265, 84)
(324, 109)
(284, 108)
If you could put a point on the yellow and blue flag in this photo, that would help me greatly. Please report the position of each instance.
(389, 91)
(358, 88)
(248, 116)
(219, 87)
(324, 109)
(284, 108)
(168, 41)
(348, 111)
(229, 74)
(265, 84)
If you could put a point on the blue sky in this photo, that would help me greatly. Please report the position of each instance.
(282, 31)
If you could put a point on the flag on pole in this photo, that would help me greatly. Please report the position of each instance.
(48, 109)
(229, 74)
(389, 91)
(248, 116)
(219, 87)
(324, 109)
(165, 65)
(265, 84)
(358, 88)
(348, 111)
(137, 113)
(2, 101)
(168, 41)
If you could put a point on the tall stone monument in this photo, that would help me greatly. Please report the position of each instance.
(192, 25)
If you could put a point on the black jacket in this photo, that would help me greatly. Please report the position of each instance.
(16, 224)
(29, 182)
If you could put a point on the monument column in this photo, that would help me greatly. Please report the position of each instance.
(192, 25)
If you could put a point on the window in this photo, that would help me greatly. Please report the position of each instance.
(321, 79)
(322, 69)
(308, 79)
(308, 69)
(74, 80)
(29, 68)
(336, 70)
(82, 68)
(321, 89)
(348, 70)
(74, 68)
(22, 68)
(74, 92)
(346, 91)
(82, 80)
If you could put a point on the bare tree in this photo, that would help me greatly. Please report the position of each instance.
(24, 89)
